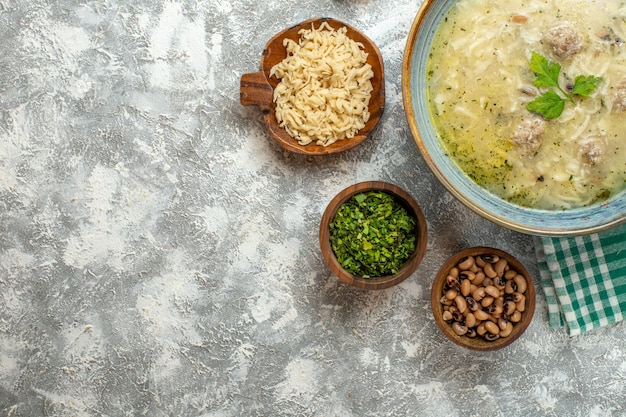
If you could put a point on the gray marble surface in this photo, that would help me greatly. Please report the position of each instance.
(159, 253)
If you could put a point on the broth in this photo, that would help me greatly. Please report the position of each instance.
(480, 82)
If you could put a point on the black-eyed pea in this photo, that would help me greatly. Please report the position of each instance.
(481, 330)
(467, 275)
(474, 268)
(521, 304)
(500, 266)
(479, 277)
(490, 337)
(502, 323)
(447, 316)
(510, 274)
(490, 258)
(458, 328)
(487, 282)
(500, 283)
(521, 283)
(495, 311)
(451, 281)
(492, 291)
(473, 288)
(454, 272)
(509, 308)
(472, 304)
(451, 294)
(461, 304)
(487, 301)
(510, 287)
(481, 315)
(470, 332)
(499, 301)
(470, 320)
(457, 316)
(491, 327)
(480, 261)
(507, 331)
(466, 263)
(445, 302)
(489, 271)
(466, 287)
(515, 317)
(479, 294)
(517, 296)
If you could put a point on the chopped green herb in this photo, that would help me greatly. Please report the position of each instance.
(550, 104)
(602, 195)
(372, 234)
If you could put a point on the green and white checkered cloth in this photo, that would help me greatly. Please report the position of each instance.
(584, 279)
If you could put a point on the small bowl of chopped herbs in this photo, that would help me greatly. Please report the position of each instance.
(373, 235)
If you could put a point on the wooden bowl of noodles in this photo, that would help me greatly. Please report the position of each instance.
(258, 88)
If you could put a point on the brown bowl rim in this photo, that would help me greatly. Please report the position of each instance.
(275, 52)
(479, 344)
(376, 283)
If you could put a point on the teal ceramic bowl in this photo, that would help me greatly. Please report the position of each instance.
(572, 222)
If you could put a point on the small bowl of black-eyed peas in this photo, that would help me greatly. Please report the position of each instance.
(483, 298)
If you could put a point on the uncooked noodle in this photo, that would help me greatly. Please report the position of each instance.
(325, 86)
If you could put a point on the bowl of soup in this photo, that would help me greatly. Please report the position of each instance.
(519, 109)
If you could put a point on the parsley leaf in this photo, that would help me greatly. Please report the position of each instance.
(547, 73)
(550, 104)
(583, 86)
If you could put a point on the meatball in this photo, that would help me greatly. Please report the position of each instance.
(619, 98)
(563, 40)
(527, 137)
(591, 150)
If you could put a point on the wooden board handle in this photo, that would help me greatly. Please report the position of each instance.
(255, 90)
